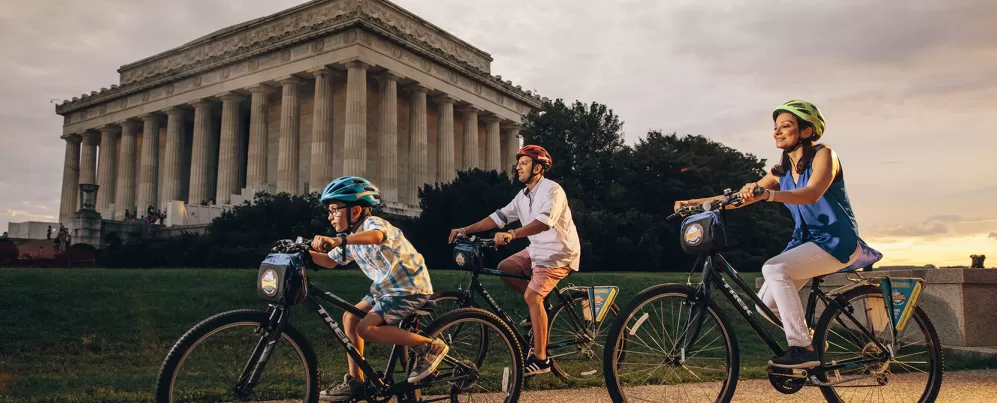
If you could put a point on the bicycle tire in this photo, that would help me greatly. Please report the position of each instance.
(456, 295)
(553, 315)
(516, 378)
(205, 328)
(919, 318)
(615, 331)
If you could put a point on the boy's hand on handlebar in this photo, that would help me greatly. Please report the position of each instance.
(681, 203)
(319, 240)
(502, 238)
(454, 233)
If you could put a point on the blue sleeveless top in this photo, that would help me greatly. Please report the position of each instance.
(829, 223)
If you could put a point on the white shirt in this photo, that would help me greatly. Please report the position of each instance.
(555, 247)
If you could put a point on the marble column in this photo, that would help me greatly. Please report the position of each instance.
(171, 183)
(200, 167)
(149, 166)
(288, 149)
(107, 168)
(124, 198)
(445, 169)
(418, 144)
(256, 165)
(229, 149)
(321, 171)
(493, 144)
(70, 179)
(387, 175)
(355, 148)
(511, 146)
(470, 138)
(88, 159)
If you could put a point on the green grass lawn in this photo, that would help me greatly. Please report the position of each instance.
(101, 334)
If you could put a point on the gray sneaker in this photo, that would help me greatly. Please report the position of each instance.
(428, 357)
(342, 392)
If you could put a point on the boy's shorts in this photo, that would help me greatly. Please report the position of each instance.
(395, 308)
(542, 279)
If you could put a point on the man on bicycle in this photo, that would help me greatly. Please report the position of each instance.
(554, 249)
(401, 279)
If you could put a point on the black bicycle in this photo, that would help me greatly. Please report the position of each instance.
(257, 355)
(681, 346)
(577, 326)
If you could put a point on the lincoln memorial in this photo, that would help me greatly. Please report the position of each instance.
(286, 103)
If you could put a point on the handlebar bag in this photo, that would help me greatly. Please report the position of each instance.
(282, 278)
(466, 256)
(703, 233)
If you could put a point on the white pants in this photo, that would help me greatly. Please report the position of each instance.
(785, 275)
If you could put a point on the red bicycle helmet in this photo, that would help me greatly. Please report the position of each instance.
(537, 154)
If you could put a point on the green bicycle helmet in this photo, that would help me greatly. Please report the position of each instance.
(803, 111)
(351, 190)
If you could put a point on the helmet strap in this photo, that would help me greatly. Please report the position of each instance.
(532, 175)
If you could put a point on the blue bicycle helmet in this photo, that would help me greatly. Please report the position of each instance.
(351, 190)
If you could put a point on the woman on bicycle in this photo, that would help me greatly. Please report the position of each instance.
(810, 182)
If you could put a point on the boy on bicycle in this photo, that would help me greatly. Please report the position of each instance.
(401, 279)
(554, 249)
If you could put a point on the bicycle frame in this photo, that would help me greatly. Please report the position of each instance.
(278, 319)
(475, 288)
(715, 267)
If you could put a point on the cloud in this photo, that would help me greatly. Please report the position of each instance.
(29, 216)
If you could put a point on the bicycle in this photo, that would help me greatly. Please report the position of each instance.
(576, 330)
(701, 350)
(267, 358)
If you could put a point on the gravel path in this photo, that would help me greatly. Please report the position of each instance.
(963, 386)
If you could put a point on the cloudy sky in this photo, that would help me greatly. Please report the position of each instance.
(909, 89)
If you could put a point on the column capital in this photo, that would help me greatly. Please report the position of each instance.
(231, 96)
(489, 117)
(91, 135)
(389, 75)
(174, 110)
(72, 137)
(322, 71)
(290, 80)
(260, 88)
(201, 103)
(110, 128)
(468, 108)
(416, 87)
(445, 98)
(148, 116)
(511, 125)
(357, 64)
(128, 124)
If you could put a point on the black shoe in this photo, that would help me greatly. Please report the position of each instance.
(796, 357)
(342, 392)
(536, 367)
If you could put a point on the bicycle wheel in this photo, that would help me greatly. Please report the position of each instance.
(448, 301)
(582, 338)
(206, 362)
(498, 379)
(914, 374)
(646, 361)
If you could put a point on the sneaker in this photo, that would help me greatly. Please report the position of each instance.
(796, 357)
(536, 367)
(429, 356)
(342, 392)
(526, 323)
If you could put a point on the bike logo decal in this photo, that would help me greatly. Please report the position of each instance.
(268, 282)
(459, 259)
(694, 234)
(898, 297)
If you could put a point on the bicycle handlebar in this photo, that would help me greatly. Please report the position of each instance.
(474, 240)
(729, 198)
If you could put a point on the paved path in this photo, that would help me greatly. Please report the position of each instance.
(963, 386)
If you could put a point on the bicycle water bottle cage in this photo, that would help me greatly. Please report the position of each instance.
(703, 233)
(282, 278)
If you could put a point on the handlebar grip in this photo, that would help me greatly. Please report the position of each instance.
(758, 191)
(326, 247)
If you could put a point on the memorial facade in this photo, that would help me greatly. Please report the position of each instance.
(286, 103)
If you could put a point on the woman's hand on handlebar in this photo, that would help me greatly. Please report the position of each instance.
(750, 191)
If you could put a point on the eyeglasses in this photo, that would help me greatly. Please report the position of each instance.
(335, 210)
